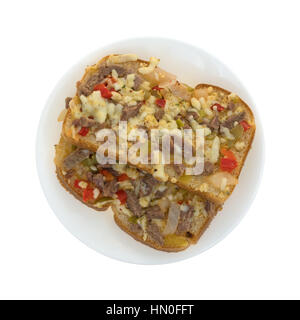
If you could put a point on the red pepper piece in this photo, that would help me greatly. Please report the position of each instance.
(245, 125)
(105, 93)
(122, 196)
(228, 154)
(108, 175)
(88, 194)
(227, 164)
(219, 107)
(83, 131)
(123, 177)
(160, 102)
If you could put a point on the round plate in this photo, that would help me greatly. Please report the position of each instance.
(97, 229)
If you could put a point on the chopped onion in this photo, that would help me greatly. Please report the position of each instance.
(159, 77)
(62, 115)
(180, 90)
(173, 219)
(217, 179)
(163, 203)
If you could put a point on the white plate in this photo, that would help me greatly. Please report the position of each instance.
(98, 230)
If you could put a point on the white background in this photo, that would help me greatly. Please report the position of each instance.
(258, 40)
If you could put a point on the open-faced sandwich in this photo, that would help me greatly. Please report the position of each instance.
(159, 214)
(160, 204)
(122, 87)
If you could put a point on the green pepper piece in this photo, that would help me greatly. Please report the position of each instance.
(202, 113)
(105, 199)
(237, 131)
(211, 136)
(180, 123)
(132, 219)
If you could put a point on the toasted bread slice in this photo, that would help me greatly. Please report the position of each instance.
(171, 243)
(143, 207)
(121, 87)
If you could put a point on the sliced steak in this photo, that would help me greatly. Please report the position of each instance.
(146, 185)
(154, 233)
(186, 126)
(135, 227)
(192, 114)
(89, 176)
(133, 204)
(97, 180)
(160, 194)
(185, 220)
(85, 122)
(179, 169)
(137, 82)
(69, 174)
(67, 102)
(208, 168)
(87, 87)
(210, 208)
(231, 106)
(110, 188)
(159, 113)
(229, 123)
(75, 157)
(154, 212)
(130, 111)
(214, 124)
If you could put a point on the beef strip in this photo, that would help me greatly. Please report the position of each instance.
(193, 114)
(69, 174)
(89, 176)
(135, 227)
(214, 124)
(229, 123)
(154, 233)
(130, 111)
(208, 168)
(186, 126)
(147, 184)
(67, 102)
(231, 106)
(154, 212)
(133, 204)
(86, 88)
(185, 220)
(110, 188)
(159, 113)
(179, 169)
(160, 194)
(85, 122)
(137, 82)
(210, 208)
(97, 180)
(75, 157)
